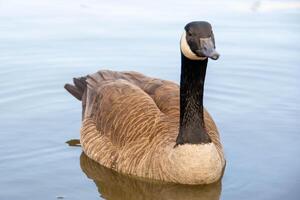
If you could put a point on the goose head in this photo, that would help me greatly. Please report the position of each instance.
(197, 41)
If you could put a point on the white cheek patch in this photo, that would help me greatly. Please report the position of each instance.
(186, 50)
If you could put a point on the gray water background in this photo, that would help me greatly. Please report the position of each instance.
(252, 91)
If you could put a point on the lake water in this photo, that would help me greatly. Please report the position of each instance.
(252, 92)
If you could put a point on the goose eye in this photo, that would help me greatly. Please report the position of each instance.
(189, 34)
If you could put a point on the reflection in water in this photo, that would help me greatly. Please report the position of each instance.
(112, 185)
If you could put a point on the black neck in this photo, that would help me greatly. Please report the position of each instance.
(191, 102)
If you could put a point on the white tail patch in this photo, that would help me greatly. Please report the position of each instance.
(186, 50)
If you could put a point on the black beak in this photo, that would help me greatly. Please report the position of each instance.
(207, 49)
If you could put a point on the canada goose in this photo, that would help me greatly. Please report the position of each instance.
(152, 128)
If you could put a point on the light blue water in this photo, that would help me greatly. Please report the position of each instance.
(252, 91)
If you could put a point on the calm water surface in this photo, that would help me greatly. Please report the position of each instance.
(252, 91)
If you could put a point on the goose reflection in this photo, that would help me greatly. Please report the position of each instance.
(112, 185)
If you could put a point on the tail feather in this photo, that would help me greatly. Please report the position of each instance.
(77, 90)
(80, 83)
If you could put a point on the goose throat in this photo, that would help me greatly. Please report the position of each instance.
(191, 129)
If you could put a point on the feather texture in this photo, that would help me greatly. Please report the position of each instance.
(130, 124)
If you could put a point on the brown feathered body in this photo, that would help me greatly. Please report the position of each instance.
(130, 124)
